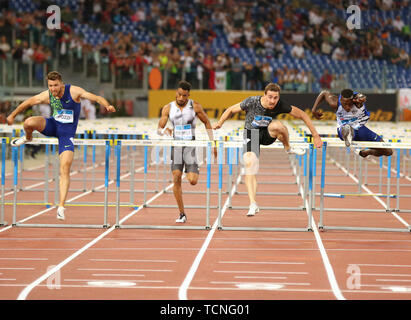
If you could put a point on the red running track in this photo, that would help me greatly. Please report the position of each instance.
(162, 264)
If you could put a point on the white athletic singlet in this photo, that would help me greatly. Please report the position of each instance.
(356, 117)
(183, 120)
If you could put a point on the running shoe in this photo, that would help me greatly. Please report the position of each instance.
(296, 150)
(60, 213)
(253, 209)
(19, 141)
(182, 218)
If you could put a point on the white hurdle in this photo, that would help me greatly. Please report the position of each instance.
(388, 195)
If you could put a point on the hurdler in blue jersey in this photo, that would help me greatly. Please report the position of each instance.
(352, 116)
(64, 100)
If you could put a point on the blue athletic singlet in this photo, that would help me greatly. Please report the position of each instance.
(64, 120)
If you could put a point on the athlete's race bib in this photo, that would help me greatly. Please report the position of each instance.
(353, 122)
(64, 116)
(261, 121)
(183, 132)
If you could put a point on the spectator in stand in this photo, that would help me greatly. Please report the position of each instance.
(404, 58)
(279, 50)
(339, 54)
(311, 42)
(386, 50)
(88, 110)
(267, 71)
(398, 24)
(288, 37)
(289, 80)
(298, 51)
(301, 81)
(338, 83)
(4, 46)
(326, 47)
(209, 72)
(236, 74)
(395, 56)
(325, 80)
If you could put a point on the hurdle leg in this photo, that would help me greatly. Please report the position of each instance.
(15, 179)
(398, 178)
(46, 176)
(388, 183)
(132, 170)
(230, 177)
(106, 178)
(220, 182)
(3, 179)
(323, 159)
(380, 175)
(145, 176)
(56, 176)
(359, 174)
(208, 185)
(118, 157)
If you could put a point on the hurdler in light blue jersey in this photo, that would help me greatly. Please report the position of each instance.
(351, 124)
(64, 120)
(356, 117)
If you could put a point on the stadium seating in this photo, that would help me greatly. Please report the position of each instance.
(361, 73)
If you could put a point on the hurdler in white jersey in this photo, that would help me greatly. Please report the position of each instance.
(352, 116)
(182, 114)
(183, 120)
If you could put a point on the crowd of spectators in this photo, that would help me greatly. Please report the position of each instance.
(181, 33)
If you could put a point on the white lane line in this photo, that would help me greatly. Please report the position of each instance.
(384, 265)
(259, 262)
(257, 277)
(386, 274)
(393, 280)
(261, 272)
(182, 291)
(17, 268)
(4, 279)
(108, 280)
(28, 259)
(263, 283)
(326, 261)
(133, 260)
(116, 275)
(118, 269)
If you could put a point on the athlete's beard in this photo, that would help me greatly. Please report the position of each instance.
(58, 93)
(181, 104)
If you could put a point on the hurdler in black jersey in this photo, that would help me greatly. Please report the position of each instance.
(257, 120)
(262, 128)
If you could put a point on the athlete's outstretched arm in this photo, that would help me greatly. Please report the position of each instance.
(227, 114)
(331, 99)
(300, 114)
(78, 93)
(37, 99)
